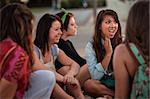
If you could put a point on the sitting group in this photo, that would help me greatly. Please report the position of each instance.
(49, 67)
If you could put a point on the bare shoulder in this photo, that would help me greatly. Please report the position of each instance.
(122, 53)
(121, 48)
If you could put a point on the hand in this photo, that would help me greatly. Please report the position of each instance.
(107, 46)
(74, 84)
(107, 97)
(69, 80)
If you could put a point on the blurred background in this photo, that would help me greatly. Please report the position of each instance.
(85, 12)
(56, 4)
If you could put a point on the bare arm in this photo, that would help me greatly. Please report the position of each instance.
(105, 61)
(107, 45)
(7, 89)
(59, 77)
(38, 64)
(65, 60)
(121, 73)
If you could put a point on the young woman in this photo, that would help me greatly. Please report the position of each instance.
(16, 35)
(99, 52)
(131, 78)
(47, 35)
(70, 29)
(17, 57)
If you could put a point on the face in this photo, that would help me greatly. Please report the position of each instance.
(55, 32)
(72, 27)
(109, 27)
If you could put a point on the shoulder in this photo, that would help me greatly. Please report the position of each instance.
(37, 50)
(121, 48)
(55, 47)
(11, 45)
(89, 48)
(61, 42)
(55, 50)
(121, 51)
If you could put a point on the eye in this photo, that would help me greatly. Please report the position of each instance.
(108, 21)
(115, 22)
(57, 29)
(72, 24)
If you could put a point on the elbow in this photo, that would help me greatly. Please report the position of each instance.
(76, 68)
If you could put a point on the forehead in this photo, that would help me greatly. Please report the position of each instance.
(72, 19)
(108, 17)
(56, 23)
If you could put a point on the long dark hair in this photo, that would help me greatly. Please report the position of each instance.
(66, 21)
(42, 31)
(97, 43)
(16, 23)
(137, 27)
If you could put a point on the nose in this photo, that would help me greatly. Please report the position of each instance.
(113, 24)
(60, 32)
(76, 25)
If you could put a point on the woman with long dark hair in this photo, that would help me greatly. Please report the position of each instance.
(99, 52)
(47, 35)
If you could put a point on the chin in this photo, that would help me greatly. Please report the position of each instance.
(57, 41)
(75, 33)
(111, 37)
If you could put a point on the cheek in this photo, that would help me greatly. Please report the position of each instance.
(117, 26)
(50, 36)
(72, 28)
(104, 29)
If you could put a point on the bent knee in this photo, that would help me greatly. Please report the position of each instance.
(88, 85)
(45, 76)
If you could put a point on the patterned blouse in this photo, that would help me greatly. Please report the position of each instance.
(11, 72)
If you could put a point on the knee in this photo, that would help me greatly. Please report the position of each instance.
(42, 83)
(46, 76)
(88, 86)
(49, 77)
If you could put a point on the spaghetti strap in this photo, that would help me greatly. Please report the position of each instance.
(135, 51)
(140, 85)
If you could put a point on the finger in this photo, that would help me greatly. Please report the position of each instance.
(69, 80)
(64, 80)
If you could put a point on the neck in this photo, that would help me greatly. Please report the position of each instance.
(64, 37)
(50, 45)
